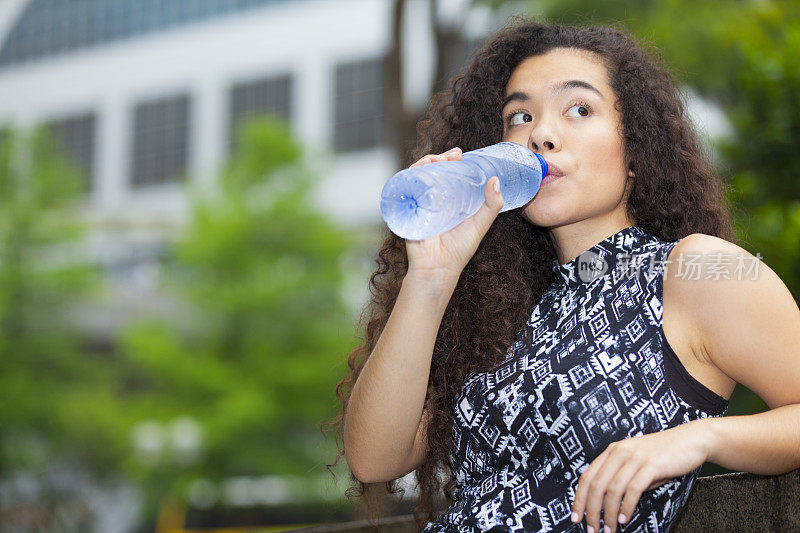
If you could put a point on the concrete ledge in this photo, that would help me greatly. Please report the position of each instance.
(742, 502)
(728, 502)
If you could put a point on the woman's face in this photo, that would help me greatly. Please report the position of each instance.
(574, 127)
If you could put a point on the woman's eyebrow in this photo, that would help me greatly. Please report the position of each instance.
(519, 96)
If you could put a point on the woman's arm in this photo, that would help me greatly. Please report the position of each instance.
(382, 421)
(765, 443)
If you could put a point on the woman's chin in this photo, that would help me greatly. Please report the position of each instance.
(543, 212)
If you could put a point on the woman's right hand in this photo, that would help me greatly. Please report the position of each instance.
(444, 256)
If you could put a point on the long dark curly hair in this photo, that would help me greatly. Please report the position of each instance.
(676, 192)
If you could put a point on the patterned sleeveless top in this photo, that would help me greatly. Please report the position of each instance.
(598, 369)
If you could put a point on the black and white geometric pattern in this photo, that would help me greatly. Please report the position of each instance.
(595, 373)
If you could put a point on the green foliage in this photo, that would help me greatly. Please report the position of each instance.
(240, 390)
(766, 110)
(45, 376)
(774, 227)
(259, 270)
(761, 156)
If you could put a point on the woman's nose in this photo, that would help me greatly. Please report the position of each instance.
(542, 137)
(549, 145)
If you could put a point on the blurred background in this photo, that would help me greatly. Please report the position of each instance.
(189, 215)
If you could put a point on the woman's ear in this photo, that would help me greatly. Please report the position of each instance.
(629, 164)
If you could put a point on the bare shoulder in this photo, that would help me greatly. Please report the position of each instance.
(704, 244)
(694, 257)
(698, 259)
(704, 270)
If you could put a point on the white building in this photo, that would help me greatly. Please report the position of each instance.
(143, 93)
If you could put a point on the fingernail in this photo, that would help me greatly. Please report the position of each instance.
(575, 517)
(497, 186)
(590, 529)
(607, 529)
(622, 519)
(452, 150)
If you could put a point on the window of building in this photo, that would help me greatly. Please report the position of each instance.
(75, 137)
(254, 98)
(160, 141)
(467, 49)
(458, 57)
(361, 105)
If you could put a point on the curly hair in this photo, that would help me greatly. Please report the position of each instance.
(676, 192)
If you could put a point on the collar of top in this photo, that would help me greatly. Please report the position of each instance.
(600, 259)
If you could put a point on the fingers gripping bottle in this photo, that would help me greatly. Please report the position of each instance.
(426, 200)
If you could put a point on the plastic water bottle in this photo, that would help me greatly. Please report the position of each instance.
(427, 200)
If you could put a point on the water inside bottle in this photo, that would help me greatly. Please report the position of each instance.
(415, 207)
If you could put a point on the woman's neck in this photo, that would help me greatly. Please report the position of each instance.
(571, 240)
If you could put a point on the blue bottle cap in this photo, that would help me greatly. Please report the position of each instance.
(543, 163)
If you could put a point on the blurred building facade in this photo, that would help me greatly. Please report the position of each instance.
(147, 94)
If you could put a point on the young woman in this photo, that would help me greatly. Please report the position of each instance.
(566, 364)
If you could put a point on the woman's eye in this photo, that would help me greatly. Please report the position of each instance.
(511, 118)
(583, 110)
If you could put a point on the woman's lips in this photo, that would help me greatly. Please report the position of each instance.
(549, 179)
(553, 173)
(553, 170)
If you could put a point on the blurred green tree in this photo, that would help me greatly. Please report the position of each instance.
(48, 381)
(260, 270)
(762, 155)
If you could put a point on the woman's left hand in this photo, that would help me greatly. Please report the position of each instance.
(631, 466)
